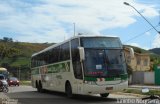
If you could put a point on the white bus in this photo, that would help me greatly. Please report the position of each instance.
(81, 65)
(4, 72)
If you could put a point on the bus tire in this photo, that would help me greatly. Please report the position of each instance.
(68, 90)
(104, 95)
(41, 87)
(37, 86)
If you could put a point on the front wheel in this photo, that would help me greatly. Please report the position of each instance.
(104, 95)
(68, 90)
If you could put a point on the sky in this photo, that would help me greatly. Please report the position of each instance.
(52, 21)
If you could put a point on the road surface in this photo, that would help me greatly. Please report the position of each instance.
(29, 95)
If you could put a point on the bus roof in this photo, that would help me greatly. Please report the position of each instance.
(78, 36)
(2, 69)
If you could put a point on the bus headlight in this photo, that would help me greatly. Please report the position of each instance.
(90, 82)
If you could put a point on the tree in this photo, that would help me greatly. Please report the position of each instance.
(138, 50)
(6, 39)
(7, 51)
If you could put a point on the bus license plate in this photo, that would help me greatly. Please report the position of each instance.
(109, 88)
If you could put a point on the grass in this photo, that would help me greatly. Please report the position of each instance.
(28, 83)
(138, 91)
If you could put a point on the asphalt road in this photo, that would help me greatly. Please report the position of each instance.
(29, 95)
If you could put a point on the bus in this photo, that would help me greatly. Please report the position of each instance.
(4, 72)
(84, 65)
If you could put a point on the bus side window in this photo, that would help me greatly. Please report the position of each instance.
(76, 59)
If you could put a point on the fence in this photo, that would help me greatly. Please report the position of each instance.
(140, 77)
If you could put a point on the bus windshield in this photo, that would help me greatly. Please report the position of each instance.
(101, 42)
(103, 62)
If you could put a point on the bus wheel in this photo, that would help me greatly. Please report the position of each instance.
(104, 95)
(37, 86)
(68, 90)
(40, 87)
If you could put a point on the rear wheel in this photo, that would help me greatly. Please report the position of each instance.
(104, 95)
(41, 87)
(68, 90)
(37, 86)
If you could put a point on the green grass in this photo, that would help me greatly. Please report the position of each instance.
(138, 91)
(28, 83)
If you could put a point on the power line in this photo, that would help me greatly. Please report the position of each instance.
(139, 34)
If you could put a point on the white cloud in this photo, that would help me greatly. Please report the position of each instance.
(148, 33)
(156, 41)
(51, 20)
(150, 12)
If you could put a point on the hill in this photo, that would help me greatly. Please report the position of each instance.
(155, 50)
(137, 49)
(20, 59)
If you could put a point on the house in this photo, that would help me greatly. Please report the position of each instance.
(140, 62)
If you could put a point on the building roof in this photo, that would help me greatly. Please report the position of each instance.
(140, 54)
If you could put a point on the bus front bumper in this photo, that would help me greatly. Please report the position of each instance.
(107, 88)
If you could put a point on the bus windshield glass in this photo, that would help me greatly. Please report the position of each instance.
(101, 61)
(101, 42)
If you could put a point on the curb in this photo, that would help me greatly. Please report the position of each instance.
(130, 94)
(153, 88)
(140, 87)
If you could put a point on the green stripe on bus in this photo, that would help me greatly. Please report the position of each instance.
(122, 77)
(90, 79)
(110, 79)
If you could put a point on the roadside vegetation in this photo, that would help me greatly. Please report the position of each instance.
(139, 91)
(15, 56)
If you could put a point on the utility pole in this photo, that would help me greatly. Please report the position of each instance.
(141, 16)
(74, 27)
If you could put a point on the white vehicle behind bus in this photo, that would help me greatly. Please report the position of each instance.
(81, 65)
(4, 72)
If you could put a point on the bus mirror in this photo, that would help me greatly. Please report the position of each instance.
(81, 53)
(131, 52)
